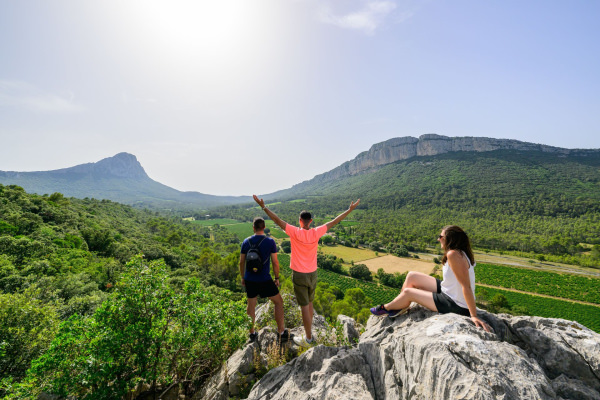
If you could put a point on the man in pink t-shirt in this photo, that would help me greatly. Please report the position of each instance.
(303, 261)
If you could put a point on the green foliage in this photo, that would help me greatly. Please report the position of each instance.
(26, 329)
(327, 240)
(145, 332)
(329, 262)
(395, 280)
(360, 271)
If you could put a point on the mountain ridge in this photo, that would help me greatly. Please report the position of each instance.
(406, 147)
(118, 178)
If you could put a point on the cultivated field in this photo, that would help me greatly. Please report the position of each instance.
(392, 264)
(348, 254)
(389, 263)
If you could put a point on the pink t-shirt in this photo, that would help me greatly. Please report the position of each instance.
(305, 243)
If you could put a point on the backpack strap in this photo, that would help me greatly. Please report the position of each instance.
(257, 246)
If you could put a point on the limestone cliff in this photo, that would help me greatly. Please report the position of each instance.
(430, 145)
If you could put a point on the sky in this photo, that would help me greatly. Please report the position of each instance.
(234, 97)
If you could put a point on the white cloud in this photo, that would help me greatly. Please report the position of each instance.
(370, 17)
(24, 95)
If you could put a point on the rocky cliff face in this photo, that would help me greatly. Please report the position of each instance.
(429, 145)
(122, 165)
(426, 355)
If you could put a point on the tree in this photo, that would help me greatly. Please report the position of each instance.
(26, 329)
(327, 240)
(144, 333)
(360, 271)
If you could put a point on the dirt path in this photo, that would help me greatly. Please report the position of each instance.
(540, 295)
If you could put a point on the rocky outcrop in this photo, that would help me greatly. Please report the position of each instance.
(430, 145)
(252, 361)
(425, 355)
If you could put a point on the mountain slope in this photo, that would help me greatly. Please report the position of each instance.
(405, 148)
(533, 201)
(119, 178)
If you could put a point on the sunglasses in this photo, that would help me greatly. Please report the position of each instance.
(440, 236)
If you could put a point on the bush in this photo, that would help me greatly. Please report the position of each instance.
(360, 271)
(26, 329)
(144, 333)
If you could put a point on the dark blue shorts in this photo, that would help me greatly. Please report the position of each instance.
(262, 289)
(445, 304)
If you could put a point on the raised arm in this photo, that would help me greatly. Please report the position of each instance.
(460, 267)
(270, 213)
(343, 215)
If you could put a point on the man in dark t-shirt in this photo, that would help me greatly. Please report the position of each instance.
(261, 283)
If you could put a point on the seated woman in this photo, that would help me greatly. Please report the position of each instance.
(456, 293)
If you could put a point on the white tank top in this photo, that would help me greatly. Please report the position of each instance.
(451, 286)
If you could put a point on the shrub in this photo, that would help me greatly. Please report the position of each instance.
(26, 329)
(144, 333)
(360, 271)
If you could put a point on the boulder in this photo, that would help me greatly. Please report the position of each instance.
(426, 355)
(349, 328)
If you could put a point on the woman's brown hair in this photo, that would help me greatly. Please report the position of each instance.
(457, 239)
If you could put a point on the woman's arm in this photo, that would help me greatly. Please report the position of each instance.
(460, 267)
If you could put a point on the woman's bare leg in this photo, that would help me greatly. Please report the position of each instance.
(418, 287)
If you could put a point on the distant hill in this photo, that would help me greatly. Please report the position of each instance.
(120, 178)
(406, 148)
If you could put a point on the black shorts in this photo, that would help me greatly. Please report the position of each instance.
(262, 289)
(445, 304)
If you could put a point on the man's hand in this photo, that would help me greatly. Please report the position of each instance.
(243, 282)
(354, 205)
(260, 202)
(343, 215)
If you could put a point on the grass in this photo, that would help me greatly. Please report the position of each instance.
(348, 254)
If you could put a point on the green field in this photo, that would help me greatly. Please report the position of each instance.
(244, 229)
(568, 286)
(586, 315)
(211, 222)
(348, 253)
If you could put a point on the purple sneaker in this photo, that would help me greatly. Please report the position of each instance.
(379, 310)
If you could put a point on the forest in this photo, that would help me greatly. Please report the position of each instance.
(91, 290)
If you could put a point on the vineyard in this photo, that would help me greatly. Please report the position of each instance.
(567, 286)
(378, 293)
(586, 315)
(519, 278)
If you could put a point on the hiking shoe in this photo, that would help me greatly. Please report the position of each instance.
(303, 342)
(253, 337)
(379, 311)
(284, 337)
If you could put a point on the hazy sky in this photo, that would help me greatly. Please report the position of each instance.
(242, 96)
